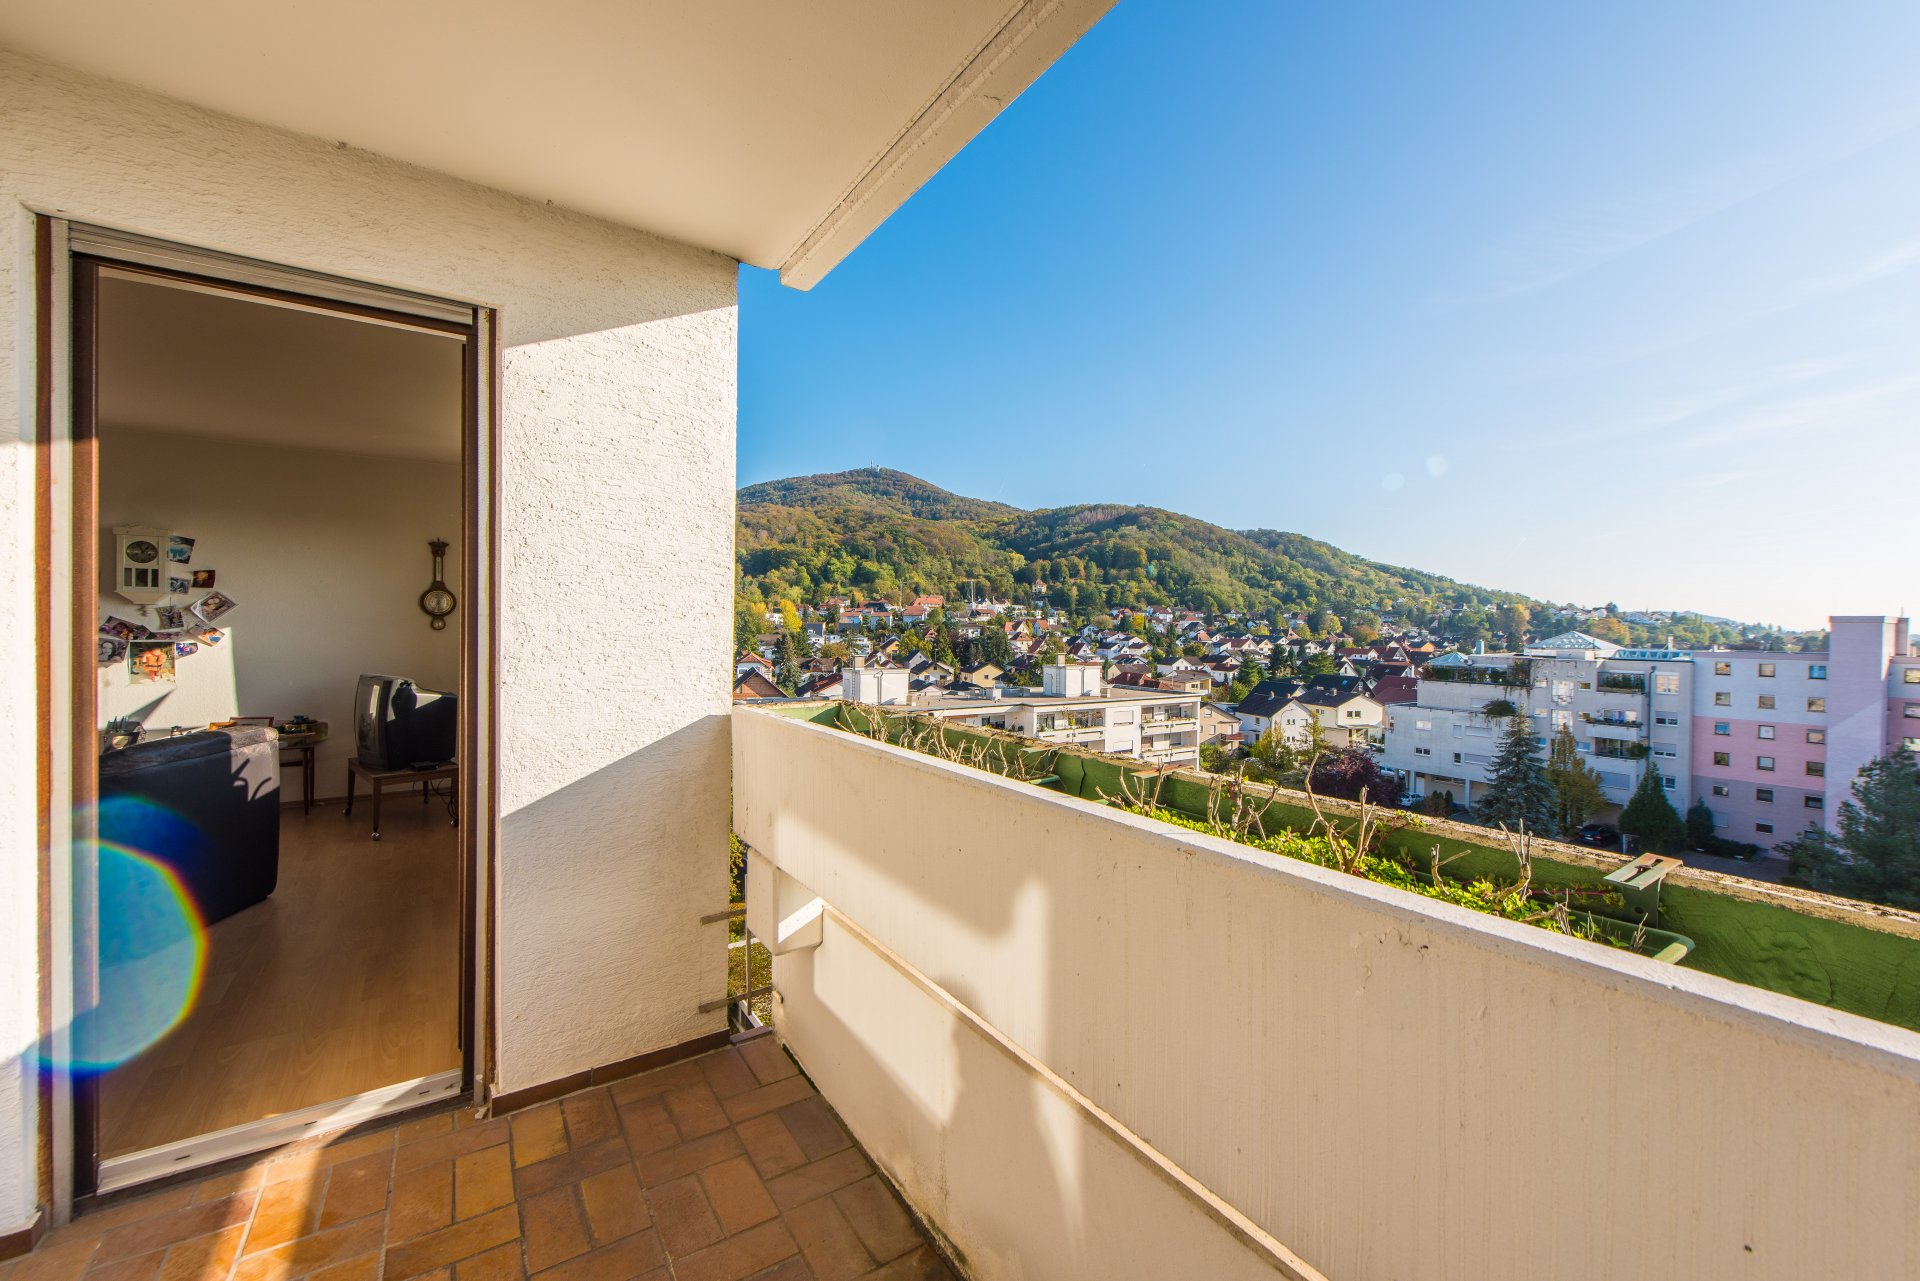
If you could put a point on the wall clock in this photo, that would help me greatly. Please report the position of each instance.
(437, 601)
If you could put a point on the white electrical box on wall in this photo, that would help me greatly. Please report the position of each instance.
(144, 569)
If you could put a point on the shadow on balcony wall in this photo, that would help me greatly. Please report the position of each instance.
(602, 882)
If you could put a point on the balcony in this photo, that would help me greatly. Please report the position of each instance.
(1085, 1043)
(1620, 683)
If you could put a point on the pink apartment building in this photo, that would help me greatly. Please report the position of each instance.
(1777, 739)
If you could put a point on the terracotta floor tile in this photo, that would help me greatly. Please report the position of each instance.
(921, 1265)
(422, 1201)
(831, 1245)
(727, 1074)
(306, 1162)
(815, 1128)
(366, 1267)
(615, 1207)
(208, 1258)
(730, 1163)
(141, 1267)
(311, 1253)
(163, 1230)
(225, 1185)
(819, 1178)
(657, 1081)
(767, 1098)
(553, 1228)
(56, 1261)
(449, 1245)
(768, 1060)
(877, 1215)
(590, 1118)
(286, 1211)
(356, 1189)
(738, 1257)
(444, 1147)
(98, 1222)
(695, 1110)
(738, 1197)
(502, 1263)
(682, 1216)
(539, 1134)
(532, 1180)
(425, 1127)
(678, 1162)
(770, 1145)
(627, 1260)
(649, 1126)
(794, 1269)
(482, 1181)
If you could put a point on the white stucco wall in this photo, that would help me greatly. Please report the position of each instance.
(1390, 1086)
(616, 540)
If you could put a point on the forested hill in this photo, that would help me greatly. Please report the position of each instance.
(880, 533)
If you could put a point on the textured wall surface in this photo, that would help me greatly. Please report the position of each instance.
(1391, 1086)
(616, 540)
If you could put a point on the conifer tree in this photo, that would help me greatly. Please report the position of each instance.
(1650, 816)
(1875, 854)
(1517, 788)
(1576, 784)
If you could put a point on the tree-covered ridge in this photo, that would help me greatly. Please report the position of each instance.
(878, 488)
(884, 534)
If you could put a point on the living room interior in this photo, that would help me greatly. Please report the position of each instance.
(279, 505)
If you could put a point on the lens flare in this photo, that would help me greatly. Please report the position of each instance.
(152, 946)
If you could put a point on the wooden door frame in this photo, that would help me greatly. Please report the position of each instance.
(67, 585)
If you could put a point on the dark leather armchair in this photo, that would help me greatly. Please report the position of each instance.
(206, 805)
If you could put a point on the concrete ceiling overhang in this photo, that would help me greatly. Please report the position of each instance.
(777, 132)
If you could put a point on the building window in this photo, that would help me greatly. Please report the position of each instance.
(1816, 769)
(1816, 736)
(1763, 763)
(1669, 782)
(1723, 729)
(1816, 704)
(1911, 711)
(1423, 751)
(1723, 669)
(1911, 676)
(1765, 702)
(1423, 725)
(1764, 795)
(1666, 720)
(1813, 803)
(1666, 683)
(1722, 698)
(1456, 758)
(1721, 789)
(1816, 671)
(1723, 758)
(1763, 827)
(1766, 669)
(1665, 751)
(1766, 731)
(1910, 744)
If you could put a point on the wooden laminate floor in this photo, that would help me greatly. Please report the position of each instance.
(344, 981)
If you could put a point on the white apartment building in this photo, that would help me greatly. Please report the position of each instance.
(1628, 709)
(1073, 707)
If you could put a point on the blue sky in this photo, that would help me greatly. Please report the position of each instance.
(1609, 302)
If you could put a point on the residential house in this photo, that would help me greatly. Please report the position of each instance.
(753, 683)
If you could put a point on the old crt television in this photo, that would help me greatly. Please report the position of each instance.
(399, 725)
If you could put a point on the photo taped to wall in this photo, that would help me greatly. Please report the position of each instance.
(150, 662)
(179, 549)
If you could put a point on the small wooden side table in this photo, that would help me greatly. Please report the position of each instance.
(378, 779)
(304, 741)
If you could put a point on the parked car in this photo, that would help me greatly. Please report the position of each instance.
(1601, 836)
(1411, 800)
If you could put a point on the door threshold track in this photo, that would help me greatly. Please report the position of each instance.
(276, 1131)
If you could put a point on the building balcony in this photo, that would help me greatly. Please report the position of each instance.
(1085, 1043)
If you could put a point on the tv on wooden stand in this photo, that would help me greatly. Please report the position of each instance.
(398, 724)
